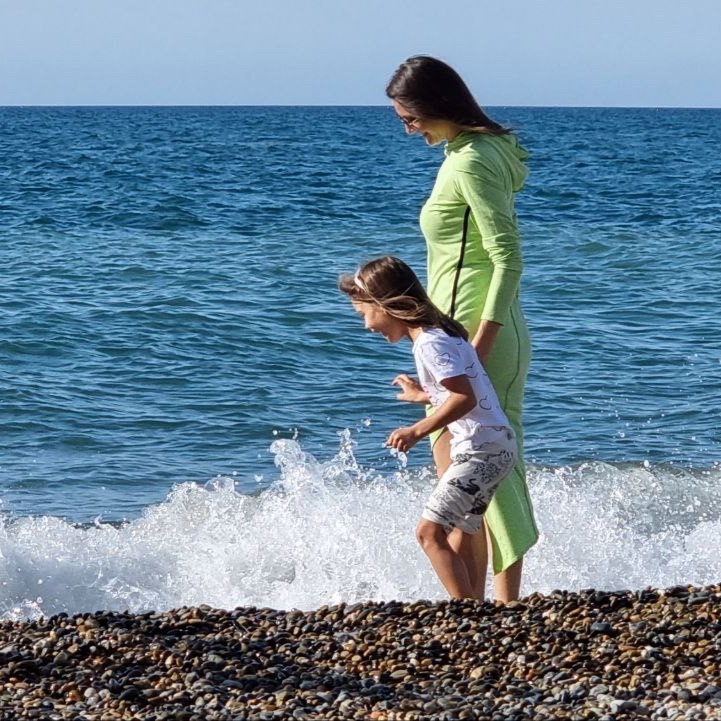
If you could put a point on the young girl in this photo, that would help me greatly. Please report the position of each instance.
(392, 301)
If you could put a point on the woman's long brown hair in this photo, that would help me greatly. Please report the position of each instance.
(429, 88)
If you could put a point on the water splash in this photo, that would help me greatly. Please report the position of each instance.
(625, 526)
(331, 531)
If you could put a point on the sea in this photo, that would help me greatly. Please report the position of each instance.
(191, 413)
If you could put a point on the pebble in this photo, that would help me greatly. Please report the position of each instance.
(587, 655)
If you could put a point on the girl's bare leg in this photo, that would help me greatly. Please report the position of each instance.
(472, 548)
(507, 583)
(480, 553)
(465, 546)
(450, 567)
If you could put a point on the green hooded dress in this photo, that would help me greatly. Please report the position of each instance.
(475, 187)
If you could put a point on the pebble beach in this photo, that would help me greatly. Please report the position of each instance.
(588, 655)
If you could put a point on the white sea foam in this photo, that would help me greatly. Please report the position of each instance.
(331, 531)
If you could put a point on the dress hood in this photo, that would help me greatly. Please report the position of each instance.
(516, 155)
(500, 154)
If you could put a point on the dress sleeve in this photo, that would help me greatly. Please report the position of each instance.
(491, 205)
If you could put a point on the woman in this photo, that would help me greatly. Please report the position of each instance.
(474, 271)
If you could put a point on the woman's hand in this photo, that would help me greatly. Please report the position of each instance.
(485, 338)
(411, 390)
(403, 439)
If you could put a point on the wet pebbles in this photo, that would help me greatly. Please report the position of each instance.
(589, 655)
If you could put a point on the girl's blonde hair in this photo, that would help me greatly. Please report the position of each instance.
(393, 286)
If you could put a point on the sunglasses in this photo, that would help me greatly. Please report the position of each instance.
(409, 123)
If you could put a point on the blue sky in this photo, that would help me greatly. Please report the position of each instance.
(247, 52)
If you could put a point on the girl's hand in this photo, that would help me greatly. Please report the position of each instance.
(411, 390)
(403, 439)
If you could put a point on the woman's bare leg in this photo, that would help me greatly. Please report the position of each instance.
(507, 584)
(442, 453)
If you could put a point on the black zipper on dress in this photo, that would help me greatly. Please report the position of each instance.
(459, 265)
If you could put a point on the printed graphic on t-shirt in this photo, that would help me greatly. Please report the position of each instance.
(439, 357)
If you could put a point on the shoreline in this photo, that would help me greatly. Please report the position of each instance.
(587, 655)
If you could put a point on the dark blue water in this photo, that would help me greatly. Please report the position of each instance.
(168, 304)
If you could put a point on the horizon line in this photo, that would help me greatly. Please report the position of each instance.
(346, 105)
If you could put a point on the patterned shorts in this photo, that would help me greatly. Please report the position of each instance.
(463, 493)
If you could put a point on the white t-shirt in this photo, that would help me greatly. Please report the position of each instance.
(439, 356)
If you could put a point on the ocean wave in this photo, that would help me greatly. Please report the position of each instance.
(333, 531)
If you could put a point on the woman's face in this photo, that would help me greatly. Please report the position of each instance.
(433, 131)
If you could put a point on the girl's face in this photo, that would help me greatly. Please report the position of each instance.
(378, 321)
(433, 131)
